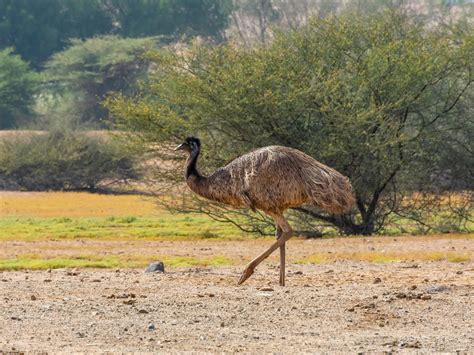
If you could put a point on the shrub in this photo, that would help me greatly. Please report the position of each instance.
(62, 160)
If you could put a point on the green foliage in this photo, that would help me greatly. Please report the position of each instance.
(360, 93)
(82, 74)
(61, 160)
(37, 29)
(149, 18)
(17, 87)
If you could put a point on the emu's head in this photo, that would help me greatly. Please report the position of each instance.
(190, 144)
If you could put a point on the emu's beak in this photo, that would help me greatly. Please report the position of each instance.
(180, 147)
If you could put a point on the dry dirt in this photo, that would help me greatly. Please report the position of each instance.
(342, 306)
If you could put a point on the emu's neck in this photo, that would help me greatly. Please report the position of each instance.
(191, 170)
(196, 181)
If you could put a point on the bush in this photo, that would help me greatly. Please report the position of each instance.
(62, 160)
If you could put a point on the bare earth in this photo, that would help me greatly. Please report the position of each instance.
(333, 307)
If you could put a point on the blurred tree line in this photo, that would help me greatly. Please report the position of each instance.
(37, 29)
(36, 33)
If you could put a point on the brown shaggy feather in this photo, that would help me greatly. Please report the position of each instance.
(273, 179)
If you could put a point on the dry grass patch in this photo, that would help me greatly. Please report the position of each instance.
(75, 204)
(381, 257)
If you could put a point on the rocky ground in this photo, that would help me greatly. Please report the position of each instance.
(339, 306)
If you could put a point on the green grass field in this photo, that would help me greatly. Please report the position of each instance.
(165, 227)
(60, 215)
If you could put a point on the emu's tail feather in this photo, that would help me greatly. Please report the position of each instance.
(327, 188)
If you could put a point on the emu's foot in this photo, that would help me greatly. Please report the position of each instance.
(246, 274)
(282, 281)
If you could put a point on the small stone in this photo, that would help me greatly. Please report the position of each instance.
(413, 287)
(222, 324)
(96, 280)
(425, 297)
(266, 289)
(211, 295)
(33, 297)
(459, 272)
(377, 280)
(437, 288)
(298, 272)
(411, 344)
(401, 295)
(47, 280)
(129, 302)
(143, 311)
(151, 326)
(352, 309)
(155, 267)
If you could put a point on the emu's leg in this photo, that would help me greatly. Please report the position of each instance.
(286, 234)
(279, 233)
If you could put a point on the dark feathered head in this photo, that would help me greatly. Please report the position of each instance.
(190, 144)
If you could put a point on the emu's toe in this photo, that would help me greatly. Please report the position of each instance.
(245, 275)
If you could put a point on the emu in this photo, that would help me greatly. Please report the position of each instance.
(271, 179)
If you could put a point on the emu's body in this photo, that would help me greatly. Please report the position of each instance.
(271, 179)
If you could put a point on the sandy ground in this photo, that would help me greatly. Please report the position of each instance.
(340, 306)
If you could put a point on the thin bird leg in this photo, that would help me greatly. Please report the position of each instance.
(286, 234)
(279, 233)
